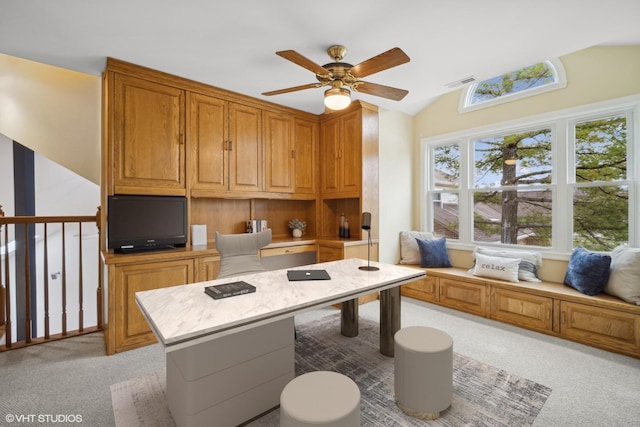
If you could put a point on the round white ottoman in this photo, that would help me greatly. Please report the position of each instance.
(423, 371)
(320, 398)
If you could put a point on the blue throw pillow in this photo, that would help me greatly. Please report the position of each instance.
(588, 271)
(433, 253)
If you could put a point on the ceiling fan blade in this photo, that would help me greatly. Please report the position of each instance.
(382, 91)
(293, 89)
(389, 59)
(296, 58)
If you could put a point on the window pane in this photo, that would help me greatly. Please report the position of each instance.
(601, 150)
(513, 217)
(600, 217)
(517, 159)
(447, 167)
(445, 215)
(513, 82)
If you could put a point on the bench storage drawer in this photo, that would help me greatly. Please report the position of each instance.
(518, 308)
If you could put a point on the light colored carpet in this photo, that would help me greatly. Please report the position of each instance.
(483, 395)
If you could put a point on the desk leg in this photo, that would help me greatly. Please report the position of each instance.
(389, 319)
(349, 318)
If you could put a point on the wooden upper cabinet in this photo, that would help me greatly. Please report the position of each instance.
(148, 137)
(245, 148)
(226, 146)
(341, 155)
(208, 139)
(279, 152)
(305, 142)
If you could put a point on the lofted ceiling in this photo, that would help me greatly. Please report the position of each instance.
(232, 44)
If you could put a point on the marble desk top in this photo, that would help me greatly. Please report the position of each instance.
(181, 314)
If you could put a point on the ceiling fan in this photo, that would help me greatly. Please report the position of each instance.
(343, 77)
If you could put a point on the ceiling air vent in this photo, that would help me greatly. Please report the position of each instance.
(461, 82)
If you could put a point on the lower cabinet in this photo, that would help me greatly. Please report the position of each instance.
(601, 327)
(518, 308)
(469, 297)
(545, 307)
(131, 329)
(424, 290)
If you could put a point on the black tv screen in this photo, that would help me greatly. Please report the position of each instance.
(146, 222)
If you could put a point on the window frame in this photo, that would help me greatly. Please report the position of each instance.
(560, 82)
(562, 123)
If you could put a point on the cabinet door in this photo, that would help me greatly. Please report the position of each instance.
(351, 153)
(208, 138)
(600, 327)
(149, 149)
(518, 308)
(207, 268)
(305, 137)
(132, 330)
(245, 155)
(464, 296)
(424, 290)
(279, 152)
(330, 165)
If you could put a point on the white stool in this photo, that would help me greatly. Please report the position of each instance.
(423, 371)
(320, 398)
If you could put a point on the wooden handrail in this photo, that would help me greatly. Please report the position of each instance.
(6, 286)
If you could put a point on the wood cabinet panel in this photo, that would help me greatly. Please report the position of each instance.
(207, 268)
(608, 329)
(148, 137)
(305, 141)
(279, 152)
(424, 290)
(518, 308)
(329, 253)
(468, 297)
(246, 153)
(351, 152)
(208, 139)
(330, 154)
(132, 330)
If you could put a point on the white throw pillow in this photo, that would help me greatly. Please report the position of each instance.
(529, 264)
(624, 277)
(497, 268)
(409, 252)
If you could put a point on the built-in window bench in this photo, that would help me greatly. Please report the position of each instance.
(601, 321)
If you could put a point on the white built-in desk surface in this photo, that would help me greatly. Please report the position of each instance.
(180, 315)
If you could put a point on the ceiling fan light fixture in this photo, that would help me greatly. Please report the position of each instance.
(337, 98)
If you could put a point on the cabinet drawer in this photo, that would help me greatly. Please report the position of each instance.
(601, 327)
(464, 296)
(329, 253)
(424, 290)
(517, 308)
(287, 250)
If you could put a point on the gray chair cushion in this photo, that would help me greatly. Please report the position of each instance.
(239, 252)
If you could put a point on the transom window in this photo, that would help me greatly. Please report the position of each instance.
(527, 81)
(556, 184)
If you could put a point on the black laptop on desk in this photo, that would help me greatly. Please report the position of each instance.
(298, 275)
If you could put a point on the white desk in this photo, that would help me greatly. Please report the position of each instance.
(229, 359)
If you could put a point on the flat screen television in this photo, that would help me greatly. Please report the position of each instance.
(138, 223)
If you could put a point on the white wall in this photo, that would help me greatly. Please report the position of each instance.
(53, 111)
(396, 153)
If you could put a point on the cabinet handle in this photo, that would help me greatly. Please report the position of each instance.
(182, 139)
(293, 154)
(230, 145)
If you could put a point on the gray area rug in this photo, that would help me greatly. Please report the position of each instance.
(482, 395)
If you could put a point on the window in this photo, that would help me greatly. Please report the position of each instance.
(553, 183)
(528, 81)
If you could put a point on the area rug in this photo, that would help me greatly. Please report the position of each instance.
(482, 395)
